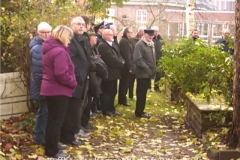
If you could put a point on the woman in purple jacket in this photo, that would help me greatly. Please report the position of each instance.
(58, 85)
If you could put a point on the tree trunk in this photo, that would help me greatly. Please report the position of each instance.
(233, 139)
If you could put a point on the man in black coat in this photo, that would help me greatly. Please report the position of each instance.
(78, 101)
(133, 41)
(158, 43)
(115, 63)
(85, 125)
(145, 61)
(126, 51)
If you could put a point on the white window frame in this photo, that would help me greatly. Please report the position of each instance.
(111, 14)
(141, 16)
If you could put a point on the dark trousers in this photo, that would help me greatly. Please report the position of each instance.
(96, 105)
(109, 91)
(157, 79)
(57, 108)
(123, 87)
(86, 111)
(150, 84)
(131, 85)
(84, 104)
(71, 122)
(142, 87)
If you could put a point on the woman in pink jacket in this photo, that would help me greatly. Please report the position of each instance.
(58, 85)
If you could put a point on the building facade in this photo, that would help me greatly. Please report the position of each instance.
(211, 17)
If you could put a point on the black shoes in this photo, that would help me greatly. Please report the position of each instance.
(61, 155)
(144, 115)
(107, 114)
(77, 143)
(116, 113)
(89, 128)
(62, 147)
(125, 104)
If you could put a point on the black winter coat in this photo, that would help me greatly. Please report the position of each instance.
(80, 60)
(158, 46)
(112, 59)
(95, 78)
(126, 51)
(225, 45)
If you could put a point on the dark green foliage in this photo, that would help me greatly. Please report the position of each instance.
(196, 67)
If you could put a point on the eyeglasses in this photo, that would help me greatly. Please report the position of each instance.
(80, 24)
(45, 32)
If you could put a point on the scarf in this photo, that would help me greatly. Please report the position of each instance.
(150, 44)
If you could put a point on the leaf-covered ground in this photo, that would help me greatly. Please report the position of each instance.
(164, 135)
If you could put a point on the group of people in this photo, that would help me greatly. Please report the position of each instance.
(223, 41)
(75, 71)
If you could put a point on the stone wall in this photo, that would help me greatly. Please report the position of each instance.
(13, 95)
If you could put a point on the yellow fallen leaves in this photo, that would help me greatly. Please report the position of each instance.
(125, 149)
(160, 133)
(128, 141)
(10, 39)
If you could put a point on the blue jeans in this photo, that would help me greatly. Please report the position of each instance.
(41, 122)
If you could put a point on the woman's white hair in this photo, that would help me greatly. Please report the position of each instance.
(44, 26)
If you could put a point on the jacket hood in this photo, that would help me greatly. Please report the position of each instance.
(36, 41)
(51, 43)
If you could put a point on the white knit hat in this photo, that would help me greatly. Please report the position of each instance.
(226, 30)
(43, 26)
(155, 28)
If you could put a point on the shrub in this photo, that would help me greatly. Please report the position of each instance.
(19, 21)
(195, 66)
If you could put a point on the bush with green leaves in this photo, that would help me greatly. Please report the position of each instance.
(197, 67)
(19, 20)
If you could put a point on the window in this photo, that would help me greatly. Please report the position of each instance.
(141, 16)
(225, 5)
(202, 28)
(230, 6)
(217, 29)
(110, 14)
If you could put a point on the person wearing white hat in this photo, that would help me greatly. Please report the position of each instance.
(224, 41)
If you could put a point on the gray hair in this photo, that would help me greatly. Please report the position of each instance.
(141, 28)
(76, 20)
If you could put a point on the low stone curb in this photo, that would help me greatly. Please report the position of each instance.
(215, 154)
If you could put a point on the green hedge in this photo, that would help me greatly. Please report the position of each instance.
(197, 67)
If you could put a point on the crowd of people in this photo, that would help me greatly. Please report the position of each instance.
(77, 72)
